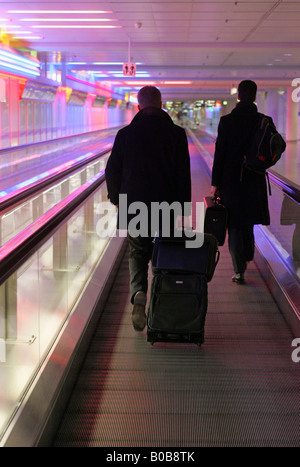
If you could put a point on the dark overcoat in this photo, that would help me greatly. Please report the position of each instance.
(243, 192)
(150, 161)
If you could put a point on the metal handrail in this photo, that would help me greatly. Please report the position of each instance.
(23, 245)
(285, 185)
(59, 138)
(53, 175)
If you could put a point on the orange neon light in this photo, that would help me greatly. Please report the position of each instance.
(10, 75)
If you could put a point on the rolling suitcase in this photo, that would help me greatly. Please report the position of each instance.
(177, 308)
(178, 299)
(215, 222)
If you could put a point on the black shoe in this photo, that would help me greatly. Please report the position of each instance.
(138, 316)
(238, 278)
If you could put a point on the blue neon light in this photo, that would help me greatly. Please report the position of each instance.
(12, 61)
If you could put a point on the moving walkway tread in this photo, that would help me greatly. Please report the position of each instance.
(241, 388)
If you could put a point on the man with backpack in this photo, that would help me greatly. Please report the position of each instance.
(239, 172)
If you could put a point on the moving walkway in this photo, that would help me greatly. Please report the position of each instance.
(76, 374)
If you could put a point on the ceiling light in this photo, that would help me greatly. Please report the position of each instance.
(11, 66)
(77, 26)
(59, 11)
(177, 82)
(15, 58)
(113, 63)
(19, 32)
(26, 37)
(140, 83)
(67, 19)
(119, 74)
(107, 63)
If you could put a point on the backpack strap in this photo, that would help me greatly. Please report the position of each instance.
(246, 143)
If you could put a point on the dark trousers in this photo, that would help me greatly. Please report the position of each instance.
(140, 254)
(241, 246)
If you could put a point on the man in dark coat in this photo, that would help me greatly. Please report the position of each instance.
(242, 191)
(149, 163)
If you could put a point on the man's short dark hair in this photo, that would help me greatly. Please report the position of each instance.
(149, 96)
(247, 91)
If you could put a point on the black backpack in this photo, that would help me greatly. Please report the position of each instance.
(266, 146)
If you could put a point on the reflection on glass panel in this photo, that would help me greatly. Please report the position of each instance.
(288, 166)
(30, 122)
(13, 222)
(37, 121)
(290, 217)
(19, 354)
(23, 120)
(14, 128)
(37, 299)
(285, 227)
(49, 124)
(4, 108)
(44, 120)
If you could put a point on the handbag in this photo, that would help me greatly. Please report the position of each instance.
(216, 217)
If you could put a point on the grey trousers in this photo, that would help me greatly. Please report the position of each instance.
(140, 254)
(241, 246)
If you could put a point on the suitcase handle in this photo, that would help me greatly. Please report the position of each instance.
(217, 200)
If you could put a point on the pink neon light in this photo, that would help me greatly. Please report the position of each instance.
(98, 86)
(140, 83)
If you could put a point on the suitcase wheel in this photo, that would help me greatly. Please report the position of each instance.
(197, 338)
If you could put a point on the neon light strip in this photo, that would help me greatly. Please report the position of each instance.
(119, 74)
(59, 11)
(28, 37)
(19, 32)
(6, 74)
(91, 84)
(76, 26)
(112, 63)
(15, 67)
(107, 63)
(67, 19)
(18, 58)
(138, 83)
(11, 60)
(9, 63)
